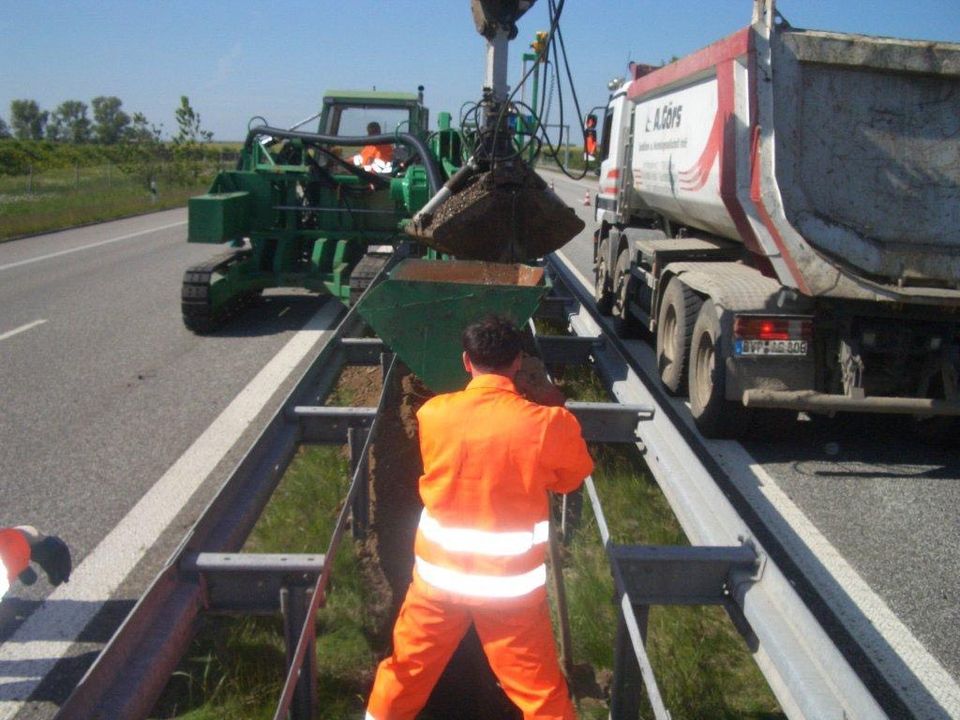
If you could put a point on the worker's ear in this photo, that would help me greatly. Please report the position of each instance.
(467, 365)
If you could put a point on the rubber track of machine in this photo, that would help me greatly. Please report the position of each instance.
(198, 314)
(364, 273)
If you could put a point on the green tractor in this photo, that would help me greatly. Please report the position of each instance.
(302, 209)
(325, 210)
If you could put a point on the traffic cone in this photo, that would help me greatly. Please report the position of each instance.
(586, 198)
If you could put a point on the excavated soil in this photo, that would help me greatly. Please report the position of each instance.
(507, 215)
(468, 689)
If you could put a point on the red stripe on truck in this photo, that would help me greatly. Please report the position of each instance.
(730, 47)
(695, 177)
(756, 195)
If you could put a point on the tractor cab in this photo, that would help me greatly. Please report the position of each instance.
(351, 112)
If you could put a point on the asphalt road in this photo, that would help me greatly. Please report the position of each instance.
(869, 513)
(102, 391)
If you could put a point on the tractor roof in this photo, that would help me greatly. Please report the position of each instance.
(371, 97)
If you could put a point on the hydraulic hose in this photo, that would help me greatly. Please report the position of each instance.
(412, 141)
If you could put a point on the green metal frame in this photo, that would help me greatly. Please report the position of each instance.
(263, 201)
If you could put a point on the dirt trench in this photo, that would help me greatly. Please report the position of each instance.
(468, 690)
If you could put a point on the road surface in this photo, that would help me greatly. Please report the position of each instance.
(106, 404)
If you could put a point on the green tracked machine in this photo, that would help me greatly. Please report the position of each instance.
(297, 211)
(306, 210)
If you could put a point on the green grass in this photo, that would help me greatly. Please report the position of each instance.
(57, 198)
(235, 668)
(703, 666)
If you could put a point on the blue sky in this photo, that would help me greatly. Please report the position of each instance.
(238, 59)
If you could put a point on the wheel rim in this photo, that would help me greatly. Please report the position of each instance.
(670, 336)
(598, 280)
(704, 364)
(621, 295)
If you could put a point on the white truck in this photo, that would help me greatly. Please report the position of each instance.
(781, 212)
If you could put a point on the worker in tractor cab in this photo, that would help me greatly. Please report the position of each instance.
(490, 456)
(21, 545)
(375, 158)
(590, 138)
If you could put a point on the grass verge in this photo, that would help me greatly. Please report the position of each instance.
(64, 198)
(235, 666)
(702, 665)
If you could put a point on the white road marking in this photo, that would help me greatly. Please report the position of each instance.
(70, 607)
(22, 328)
(737, 462)
(61, 253)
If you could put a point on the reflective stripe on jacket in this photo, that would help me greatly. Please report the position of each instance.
(489, 458)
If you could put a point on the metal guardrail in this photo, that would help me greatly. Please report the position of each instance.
(809, 675)
(131, 672)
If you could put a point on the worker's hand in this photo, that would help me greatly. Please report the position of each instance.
(50, 553)
(533, 383)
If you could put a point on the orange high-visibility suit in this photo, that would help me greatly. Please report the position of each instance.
(14, 556)
(369, 153)
(489, 458)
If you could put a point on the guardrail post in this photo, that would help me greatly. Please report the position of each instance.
(295, 604)
(627, 680)
(356, 439)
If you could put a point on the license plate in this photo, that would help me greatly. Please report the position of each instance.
(771, 347)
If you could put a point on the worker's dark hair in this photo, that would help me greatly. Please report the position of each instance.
(492, 342)
(373, 128)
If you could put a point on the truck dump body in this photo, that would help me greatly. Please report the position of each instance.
(835, 156)
(868, 151)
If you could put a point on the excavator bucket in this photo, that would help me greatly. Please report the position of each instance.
(422, 306)
(504, 215)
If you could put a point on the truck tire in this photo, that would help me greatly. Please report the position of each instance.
(625, 324)
(714, 415)
(602, 285)
(678, 313)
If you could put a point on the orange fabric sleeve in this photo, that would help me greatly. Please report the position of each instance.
(14, 552)
(565, 452)
(368, 154)
(373, 152)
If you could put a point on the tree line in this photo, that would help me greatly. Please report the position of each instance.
(109, 124)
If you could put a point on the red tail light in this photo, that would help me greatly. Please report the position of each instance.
(752, 327)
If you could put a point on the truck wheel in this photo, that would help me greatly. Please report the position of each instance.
(678, 313)
(625, 324)
(715, 416)
(602, 292)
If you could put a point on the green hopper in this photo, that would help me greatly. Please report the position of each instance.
(422, 306)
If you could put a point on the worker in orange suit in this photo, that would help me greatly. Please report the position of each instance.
(23, 544)
(377, 158)
(590, 138)
(489, 458)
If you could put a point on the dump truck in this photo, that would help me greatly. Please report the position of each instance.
(779, 213)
